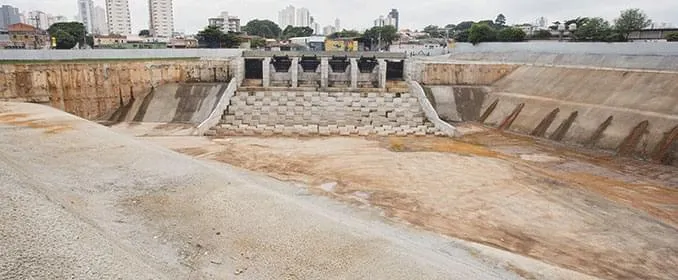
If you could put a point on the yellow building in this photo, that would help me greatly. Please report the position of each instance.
(341, 45)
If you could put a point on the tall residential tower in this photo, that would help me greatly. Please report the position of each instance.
(86, 14)
(100, 25)
(117, 12)
(8, 15)
(162, 19)
(287, 17)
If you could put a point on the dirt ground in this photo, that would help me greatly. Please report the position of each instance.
(606, 217)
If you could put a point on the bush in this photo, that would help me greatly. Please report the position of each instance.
(672, 37)
(511, 34)
(481, 32)
(541, 35)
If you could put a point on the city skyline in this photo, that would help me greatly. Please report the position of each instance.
(190, 16)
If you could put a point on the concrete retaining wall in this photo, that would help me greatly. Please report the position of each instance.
(95, 89)
(462, 74)
(324, 113)
(117, 54)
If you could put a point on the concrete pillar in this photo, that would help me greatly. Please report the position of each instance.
(382, 73)
(354, 73)
(266, 69)
(324, 72)
(294, 70)
(237, 70)
(407, 70)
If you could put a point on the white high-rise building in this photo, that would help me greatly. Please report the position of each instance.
(226, 22)
(316, 28)
(39, 19)
(337, 24)
(383, 21)
(86, 14)
(100, 25)
(303, 17)
(117, 12)
(162, 19)
(287, 17)
(328, 30)
(10, 15)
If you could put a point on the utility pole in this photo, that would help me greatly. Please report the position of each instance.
(36, 19)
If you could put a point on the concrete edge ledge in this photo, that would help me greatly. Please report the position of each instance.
(379, 55)
(431, 113)
(216, 114)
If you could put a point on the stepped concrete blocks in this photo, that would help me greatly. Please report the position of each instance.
(325, 113)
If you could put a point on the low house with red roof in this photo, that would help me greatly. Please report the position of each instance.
(24, 36)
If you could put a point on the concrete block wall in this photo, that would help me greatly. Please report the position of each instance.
(324, 113)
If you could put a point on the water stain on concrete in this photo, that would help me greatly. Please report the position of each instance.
(22, 120)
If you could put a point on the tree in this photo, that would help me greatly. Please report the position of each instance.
(213, 37)
(461, 36)
(541, 35)
(258, 43)
(672, 37)
(68, 34)
(501, 20)
(580, 21)
(432, 30)
(89, 40)
(450, 26)
(464, 25)
(345, 34)
(262, 28)
(594, 29)
(631, 20)
(291, 31)
(383, 34)
(511, 34)
(481, 32)
(145, 33)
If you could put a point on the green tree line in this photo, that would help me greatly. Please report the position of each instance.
(593, 29)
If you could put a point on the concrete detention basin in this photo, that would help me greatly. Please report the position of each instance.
(386, 200)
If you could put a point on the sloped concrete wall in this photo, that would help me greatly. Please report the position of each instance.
(187, 103)
(93, 90)
(630, 112)
(458, 103)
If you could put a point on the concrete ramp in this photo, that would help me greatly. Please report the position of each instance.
(179, 107)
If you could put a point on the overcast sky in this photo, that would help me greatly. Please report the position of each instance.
(191, 15)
